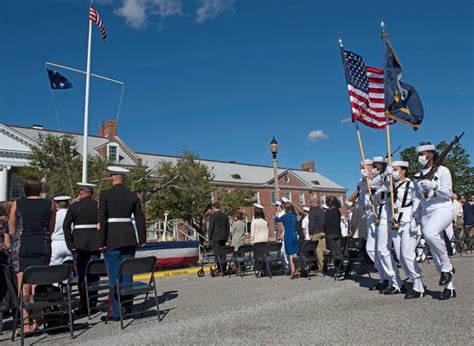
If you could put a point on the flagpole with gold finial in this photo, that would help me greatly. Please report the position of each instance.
(359, 141)
(395, 224)
(86, 103)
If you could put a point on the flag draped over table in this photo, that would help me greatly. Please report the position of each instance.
(401, 99)
(58, 81)
(366, 90)
(95, 18)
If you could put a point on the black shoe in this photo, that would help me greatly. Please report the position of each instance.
(448, 294)
(391, 291)
(111, 319)
(414, 294)
(403, 289)
(380, 286)
(446, 278)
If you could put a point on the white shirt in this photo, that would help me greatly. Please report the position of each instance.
(344, 226)
(259, 231)
(405, 213)
(58, 233)
(305, 225)
(457, 210)
(441, 196)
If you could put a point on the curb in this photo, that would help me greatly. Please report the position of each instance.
(170, 273)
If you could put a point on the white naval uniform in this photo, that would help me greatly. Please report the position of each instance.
(370, 241)
(286, 261)
(407, 236)
(436, 215)
(384, 230)
(59, 250)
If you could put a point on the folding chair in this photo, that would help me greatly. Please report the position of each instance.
(127, 292)
(308, 258)
(45, 275)
(225, 259)
(243, 259)
(8, 291)
(95, 267)
(273, 257)
(353, 253)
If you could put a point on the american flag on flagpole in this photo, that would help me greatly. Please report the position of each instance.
(95, 18)
(366, 91)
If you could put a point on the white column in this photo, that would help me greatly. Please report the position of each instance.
(3, 183)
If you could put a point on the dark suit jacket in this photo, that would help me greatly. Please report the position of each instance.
(83, 212)
(119, 202)
(316, 220)
(219, 227)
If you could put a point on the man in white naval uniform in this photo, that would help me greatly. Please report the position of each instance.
(436, 214)
(280, 213)
(383, 231)
(59, 250)
(406, 237)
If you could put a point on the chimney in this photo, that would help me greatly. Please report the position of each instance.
(108, 129)
(308, 166)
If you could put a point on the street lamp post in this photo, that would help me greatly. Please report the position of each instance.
(274, 150)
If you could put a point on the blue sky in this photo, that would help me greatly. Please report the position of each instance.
(222, 77)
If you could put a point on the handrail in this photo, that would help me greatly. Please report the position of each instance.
(173, 230)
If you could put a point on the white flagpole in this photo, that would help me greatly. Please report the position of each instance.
(86, 104)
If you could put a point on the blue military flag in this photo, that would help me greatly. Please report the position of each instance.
(58, 81)
(402, 102)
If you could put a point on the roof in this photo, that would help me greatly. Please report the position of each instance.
(225, 173)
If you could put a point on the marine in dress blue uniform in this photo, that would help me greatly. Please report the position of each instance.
(118, 236)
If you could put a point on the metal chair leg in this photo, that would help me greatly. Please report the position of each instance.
(71, 317)
(120, 304)
(15, 320)
(156, 300)
(86, 288)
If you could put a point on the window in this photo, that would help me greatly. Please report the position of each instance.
(256, 197)
(315, 182)
(322, 198)
(315, 195)
(112, 153)
(287, 195)
(287, 179)
(301, 198)
(273, 197)
(17, 187)
(236, 176)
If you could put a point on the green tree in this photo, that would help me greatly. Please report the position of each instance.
(184, 189)
(232, 201)
(457, 161)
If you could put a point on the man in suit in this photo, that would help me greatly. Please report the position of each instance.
(83, 242)
(316, 230)
(118, 237)
(218, 232)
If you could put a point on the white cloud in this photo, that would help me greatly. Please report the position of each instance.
(212, 8)
(346, 120)
(317, 135)
(465, 93)
(136, 12)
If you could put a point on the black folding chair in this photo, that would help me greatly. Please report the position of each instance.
(225, 260)
(93, 289)
(352, 254)
(8, 292)
(45, 275)
(308, 258)
(128, 292)
(243, 259)
(273, 258)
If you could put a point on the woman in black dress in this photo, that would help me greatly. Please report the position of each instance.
(31, 224)
(332, 230)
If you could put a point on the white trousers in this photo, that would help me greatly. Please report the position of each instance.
(384, 247)
(370, 246)
(432, 226)
(59, 252)
(404, 244)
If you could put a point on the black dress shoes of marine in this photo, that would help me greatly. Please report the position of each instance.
(391, 291)
(414, 294)
(448, 294)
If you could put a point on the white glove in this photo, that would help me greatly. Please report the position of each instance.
(363, 172)
(415, 228)
(428, 185)
(389, 170)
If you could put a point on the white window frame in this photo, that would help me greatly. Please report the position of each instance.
(322, 198)
(258, 197)
(273, 197)
(110, 145)
(288, 195)
(302, 201)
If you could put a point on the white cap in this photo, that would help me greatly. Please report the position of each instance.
(62, 198)
(116, 170)
(306, 209)
(379, 159)
(368, 162)
(278, 203)
(426, 147)
(285, 200)
(400, 163)
(348, 204)
(258, 206)
(86, 186)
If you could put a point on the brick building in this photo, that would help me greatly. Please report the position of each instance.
(299, 185)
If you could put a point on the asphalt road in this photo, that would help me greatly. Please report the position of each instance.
(283, 311)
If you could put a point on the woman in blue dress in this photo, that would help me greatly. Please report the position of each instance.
(291, 240)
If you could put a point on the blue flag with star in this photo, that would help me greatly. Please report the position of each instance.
(58, 81)
(402, 102)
